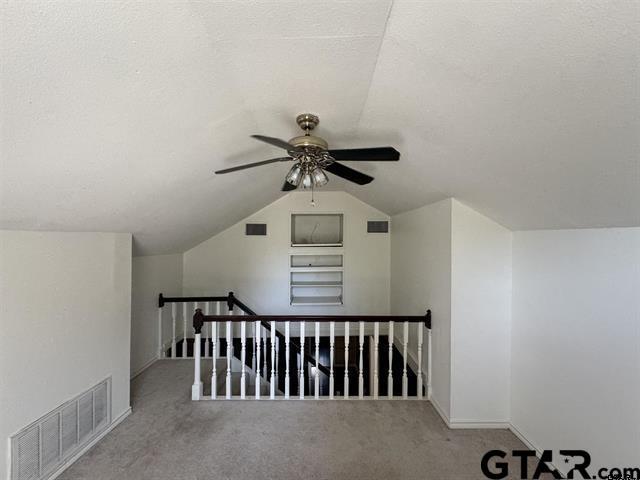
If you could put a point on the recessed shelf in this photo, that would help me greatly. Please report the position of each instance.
(316, 300)
(317, 284)
(316, 279)
(315, 261)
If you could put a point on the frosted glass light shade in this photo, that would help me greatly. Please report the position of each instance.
(295, 175)
(319, 177)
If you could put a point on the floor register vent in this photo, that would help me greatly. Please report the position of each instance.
(40, 449)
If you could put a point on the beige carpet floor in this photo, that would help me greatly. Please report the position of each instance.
(170, 437)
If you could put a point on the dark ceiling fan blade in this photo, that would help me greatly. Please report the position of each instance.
(276, 142)
(251, 165)
(287, 187)
(348, 173)
(380, 154)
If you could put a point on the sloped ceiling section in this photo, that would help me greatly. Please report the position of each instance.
(114, 115)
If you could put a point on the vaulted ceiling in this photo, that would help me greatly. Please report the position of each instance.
(115, 114)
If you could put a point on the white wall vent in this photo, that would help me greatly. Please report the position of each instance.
(40, 449)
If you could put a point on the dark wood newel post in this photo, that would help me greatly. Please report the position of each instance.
(427, 320)
(160, 301)
(230, 301)
(198, 321)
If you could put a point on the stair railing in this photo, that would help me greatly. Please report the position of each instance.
(176, 346)
(319, 322)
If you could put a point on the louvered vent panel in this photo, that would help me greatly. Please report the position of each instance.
(50, 439)
(38, 450)
(100, 406)
(69, 428)
(85, 415)
(29, 454)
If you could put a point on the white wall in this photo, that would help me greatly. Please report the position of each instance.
(575, 380)
(65, 302)
(480, 318)
(421, 279)
(256, 268)
(152, 275)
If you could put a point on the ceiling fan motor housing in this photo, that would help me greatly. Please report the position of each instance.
(307, 122)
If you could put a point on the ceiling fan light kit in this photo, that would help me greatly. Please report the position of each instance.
(312, 158)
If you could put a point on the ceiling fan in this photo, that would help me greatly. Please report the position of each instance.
(312, 158)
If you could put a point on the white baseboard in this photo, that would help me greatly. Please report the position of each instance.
(84, 450)
(440, 411)
(144, 367)
(460, 424)
(531, 446)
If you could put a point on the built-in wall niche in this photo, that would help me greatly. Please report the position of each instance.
(317, 230)
(316, 279)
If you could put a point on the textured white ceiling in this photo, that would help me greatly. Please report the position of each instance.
(115, 114)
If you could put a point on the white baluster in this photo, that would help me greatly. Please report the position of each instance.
(346, 359)
(390, 376)
(207, 332)
(243, 357)
(302, 362)
(420, 331)
(257, 329)
(219, 328)
(287, 331)
(361, 364)
(429, 358)
(229, 355)
(265, 367)
(196, 388)
(272, 390)
(376, 338)
(184, 330)
(214, 360)
(277, 359)
(173, 330)
(405, 341)
(332, 341)
(316, 380)
(253, 357)
(160, 349)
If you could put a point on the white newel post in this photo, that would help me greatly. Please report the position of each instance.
(429, 364)
(390, 375)
(173, 330)
(376, 338)
(405, 341)
(196, 389)
(287, 332)
(272, 387)
(420, 332)
(316, 380)
(361, 363)
(243, 357)
(302, 362)
(332, 341)
(346, 360)
(229, 354)
(160, 353)
(257, 341)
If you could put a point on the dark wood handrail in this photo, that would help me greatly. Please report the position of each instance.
(162, 299)
(199, 318)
